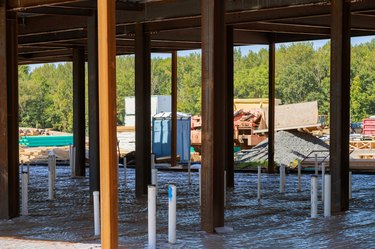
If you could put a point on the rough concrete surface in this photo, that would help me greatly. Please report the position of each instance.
(276, 221)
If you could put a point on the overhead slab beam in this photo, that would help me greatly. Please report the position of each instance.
(186, 19)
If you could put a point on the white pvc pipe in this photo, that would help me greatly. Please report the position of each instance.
(125, 172)
(299, 176)
(71, 158)
(225, 188)
(327, 195)
(25, 182)
(152, 161)
(28, 173)
(51, 176)
(200, 186)
(323, 180)
(350, 185)
(172, 201)
(282, 179)
(259, 181)
(151, 217)
(314, 196)
(189, 171)
(316, 164)
(154, 178)
(96, 213)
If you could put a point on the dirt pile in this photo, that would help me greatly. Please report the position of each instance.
(289, 145)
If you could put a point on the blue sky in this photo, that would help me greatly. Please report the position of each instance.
(255, 48)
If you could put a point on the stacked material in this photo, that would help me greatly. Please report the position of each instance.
(46, 141)
(289, 146)
(40, 155)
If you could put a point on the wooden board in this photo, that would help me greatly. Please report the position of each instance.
(294, 116)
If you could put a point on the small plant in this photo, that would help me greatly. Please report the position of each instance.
(253, 164)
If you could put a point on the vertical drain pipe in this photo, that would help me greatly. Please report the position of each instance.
(189, 172)
(200, 186)
(314, 196)
(282, 179)
(350, 185)
(151, 217)
(259, 181)
(152, 161)
(172, 200)
(316, 164)
(299, 176)
(154, 178)
(28, 173)
(125, 172)
(96, 213)
(25, 182)
(51, 175)
(327, 195)
(323, 180)
(71, 159)
(225, 188)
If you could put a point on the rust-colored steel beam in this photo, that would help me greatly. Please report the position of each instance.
(174, 109)
(4, 176)
(19, 5)
(229, 108)
(107, 124)
(13, 117)
(213, 104)
(79, 123)
(9, 148)
(340, 105)
(50, 10)
(143, 110)
(93, 83)
(271, 107)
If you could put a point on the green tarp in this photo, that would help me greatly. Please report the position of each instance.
(46, 141)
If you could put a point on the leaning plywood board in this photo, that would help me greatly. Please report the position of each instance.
(294, 116)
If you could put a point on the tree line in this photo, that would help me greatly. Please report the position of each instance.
(302, 74)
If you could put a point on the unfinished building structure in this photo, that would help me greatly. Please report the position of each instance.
(38, 31)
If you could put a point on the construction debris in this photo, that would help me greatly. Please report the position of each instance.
(289, 146)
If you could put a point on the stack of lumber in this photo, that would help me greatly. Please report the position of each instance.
(40, 155)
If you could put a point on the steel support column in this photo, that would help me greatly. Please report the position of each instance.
(4, 158)
(107, 123)
(271, 108)
(340, 104)
(229, 108)
(9, 148)
(213, 120)
(93, 81)
(79, 110)
(174, 109)
(143, 110)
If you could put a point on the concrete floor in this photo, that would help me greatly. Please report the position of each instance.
(276, 221)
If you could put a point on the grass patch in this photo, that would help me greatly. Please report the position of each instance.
(247, 165)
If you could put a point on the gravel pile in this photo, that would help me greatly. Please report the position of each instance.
(289, 145)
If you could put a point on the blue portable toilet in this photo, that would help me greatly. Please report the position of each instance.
(162, 135)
